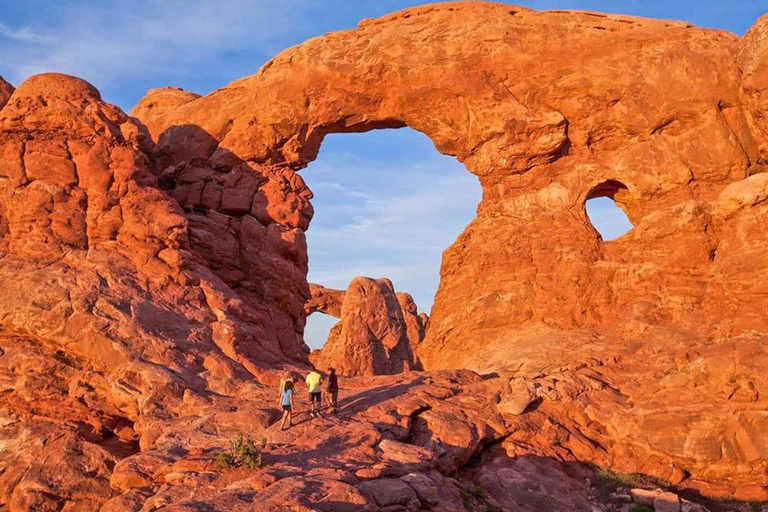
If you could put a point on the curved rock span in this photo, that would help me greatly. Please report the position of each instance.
(379, 329)
(154, 273)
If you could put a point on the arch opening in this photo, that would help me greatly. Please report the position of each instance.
(386, 204)
(317, 328)
(605, 215)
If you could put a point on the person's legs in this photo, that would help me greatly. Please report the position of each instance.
(286, 414)
(290, 418)
(335, 401)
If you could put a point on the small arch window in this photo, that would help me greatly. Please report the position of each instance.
(607, 218)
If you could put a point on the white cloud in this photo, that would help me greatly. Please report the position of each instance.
(22, 35)
(109, 41)
(386, 205)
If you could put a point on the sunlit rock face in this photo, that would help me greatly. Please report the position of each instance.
(6, 90)
(544, 130)
(378, 332)
(154, 268)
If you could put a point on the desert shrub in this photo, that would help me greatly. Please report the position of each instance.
(466, 499)
(242, 453)
(607, 481)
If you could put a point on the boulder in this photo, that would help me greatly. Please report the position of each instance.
(377, 331)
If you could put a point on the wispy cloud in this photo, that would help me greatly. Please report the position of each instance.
(22, 35)
(109, 42)
(413, 219)
(386, 205)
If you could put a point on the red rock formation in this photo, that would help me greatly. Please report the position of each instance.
(151, 268)
(541, 142)
(109, 321)
(234, 214)
(377, 332)
(324, 300)
(6, 90)
(416, 324)
(529, 284)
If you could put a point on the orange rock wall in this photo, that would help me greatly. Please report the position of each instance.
(544, 108)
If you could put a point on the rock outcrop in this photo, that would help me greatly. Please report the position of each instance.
(6, 90)
(109, 320)
(378, 331)
(324, 300)
(154, 272)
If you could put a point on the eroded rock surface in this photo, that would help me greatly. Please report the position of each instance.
(154, 273)
(6, 90)
(109, 320)
(378, 329)
(324, 300)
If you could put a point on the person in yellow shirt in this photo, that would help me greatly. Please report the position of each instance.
(315, 383)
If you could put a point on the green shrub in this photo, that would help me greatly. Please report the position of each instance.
(242, 453)
(466, 499)
(608, 481)
(642, 508)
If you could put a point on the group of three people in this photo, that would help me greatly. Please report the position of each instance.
(315, 385)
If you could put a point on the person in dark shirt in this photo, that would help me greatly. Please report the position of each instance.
(333, 390)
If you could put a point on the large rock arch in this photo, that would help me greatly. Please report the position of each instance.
(540, 127)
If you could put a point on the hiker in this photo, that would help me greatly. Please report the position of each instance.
(286, 402)
(333, 390)
(315, 385)
(285, 378)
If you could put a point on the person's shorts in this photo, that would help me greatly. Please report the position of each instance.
(314, 397)
(286, 407)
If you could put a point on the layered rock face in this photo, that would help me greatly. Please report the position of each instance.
(154, 271)
(378, 331)
(109, 320)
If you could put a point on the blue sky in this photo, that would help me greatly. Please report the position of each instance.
(386, 202)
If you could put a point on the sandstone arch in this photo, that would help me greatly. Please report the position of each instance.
(385, 192)
(535, 149)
